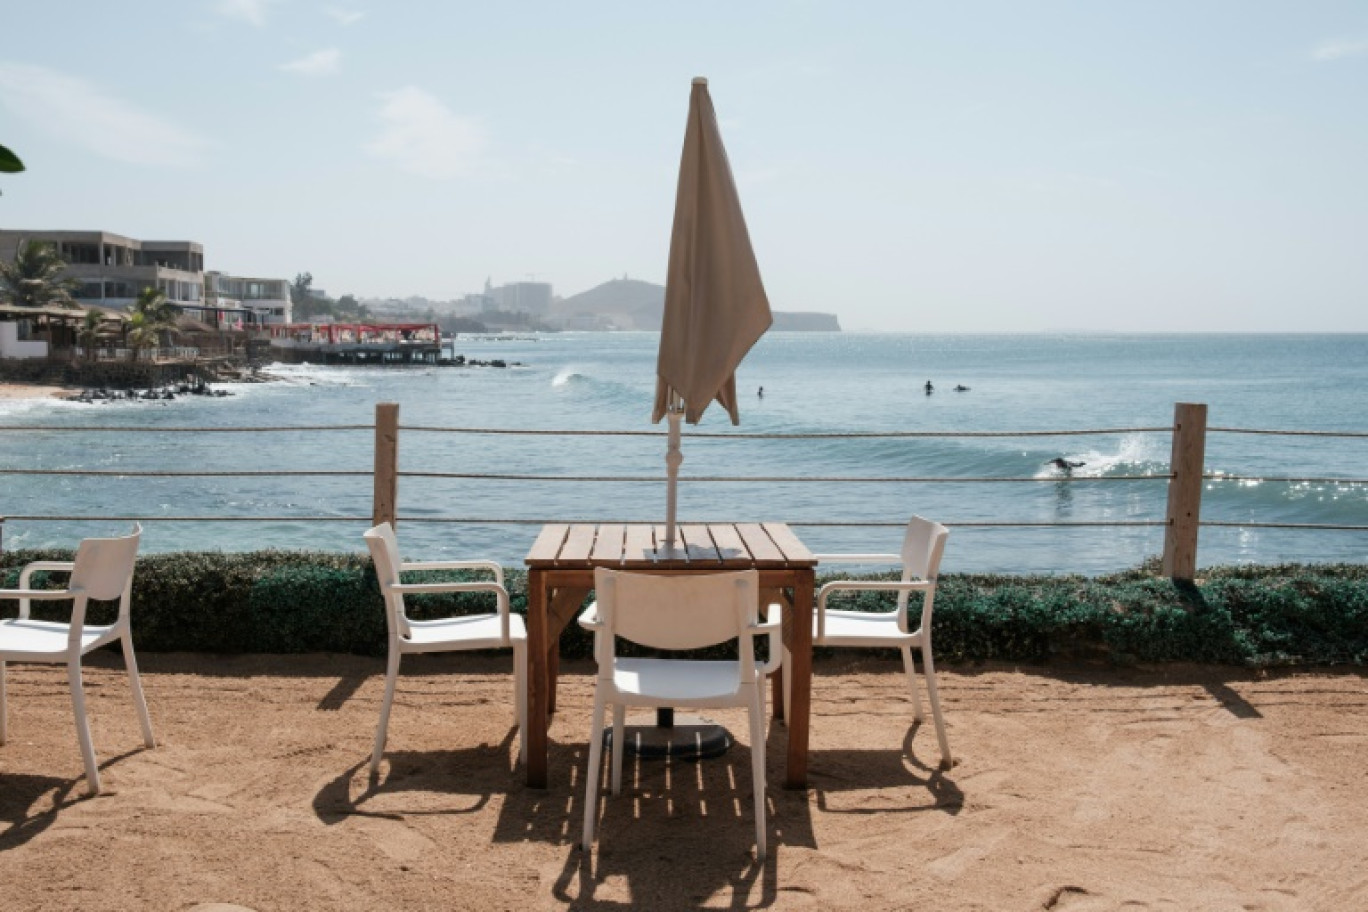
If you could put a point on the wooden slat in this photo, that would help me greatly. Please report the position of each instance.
(795, 552)
(730, 548)
(640, 546)
(699, 543)
(670, 559)
(608, 545)
(762, 548)
(578, 543)
(547, 545)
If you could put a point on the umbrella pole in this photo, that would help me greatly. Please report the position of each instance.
(673, 458)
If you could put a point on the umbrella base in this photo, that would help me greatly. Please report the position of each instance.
(690, 738)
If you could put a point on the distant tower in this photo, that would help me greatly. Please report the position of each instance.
(488, 286)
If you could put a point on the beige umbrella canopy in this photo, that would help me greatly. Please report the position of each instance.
(715, 303)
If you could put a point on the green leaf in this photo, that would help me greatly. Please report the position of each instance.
(9, 162)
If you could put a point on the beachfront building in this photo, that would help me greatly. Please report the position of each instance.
(233, 301)
(356, 343)
(110, 269)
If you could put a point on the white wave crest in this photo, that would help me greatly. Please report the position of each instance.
(567, 375)
(1135, 454)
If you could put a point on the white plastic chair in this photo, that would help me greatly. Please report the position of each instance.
(102, 571)
(472, 631)
(920, 559)
(688, 611)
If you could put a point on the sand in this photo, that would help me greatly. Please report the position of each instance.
(10, 390)
(1076, 788)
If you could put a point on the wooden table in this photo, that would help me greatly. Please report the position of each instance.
(560, 575)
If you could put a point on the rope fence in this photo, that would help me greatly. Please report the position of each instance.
(1185, 478)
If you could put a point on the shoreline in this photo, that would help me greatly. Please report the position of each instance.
(10, 390)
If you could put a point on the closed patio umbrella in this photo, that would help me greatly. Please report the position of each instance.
(715, 303)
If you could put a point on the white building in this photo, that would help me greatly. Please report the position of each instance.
(111, 269)
(254, 300)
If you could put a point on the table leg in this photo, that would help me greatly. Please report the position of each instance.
(800, 649)
(538, 679)
(552, 676)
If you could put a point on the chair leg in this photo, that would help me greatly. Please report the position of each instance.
(912, 682)
(929, 669)
(135, 683)
(757, 734)
(83, 726)
(391, 673)
(4, 707)
(520, 698)
(619, 733)
(591, 775)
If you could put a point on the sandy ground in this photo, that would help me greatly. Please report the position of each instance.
(1076, 788)
(32, 391)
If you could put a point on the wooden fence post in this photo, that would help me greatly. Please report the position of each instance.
(1185, 490)
(386, 497)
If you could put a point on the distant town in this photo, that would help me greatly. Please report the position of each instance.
(106, 272)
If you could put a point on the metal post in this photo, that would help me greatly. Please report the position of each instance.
(386, 497)
(1185, 490)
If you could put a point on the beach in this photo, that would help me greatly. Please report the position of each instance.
(1076, 787)
(10, 390)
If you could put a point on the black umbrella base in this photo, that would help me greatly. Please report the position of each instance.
(690, 738)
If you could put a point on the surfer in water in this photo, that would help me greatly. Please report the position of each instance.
(929, 388)
(961, 388)
(1064, 465)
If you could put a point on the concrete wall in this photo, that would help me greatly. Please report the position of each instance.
(11, 346)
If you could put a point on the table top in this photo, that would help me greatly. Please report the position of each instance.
(698, 546)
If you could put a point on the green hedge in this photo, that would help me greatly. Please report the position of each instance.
(289, 602)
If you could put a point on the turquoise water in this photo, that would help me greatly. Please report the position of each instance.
(813, 382)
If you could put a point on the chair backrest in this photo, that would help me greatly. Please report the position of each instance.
(384, 551)
(686, 611)
(103, 568)
(922, 548)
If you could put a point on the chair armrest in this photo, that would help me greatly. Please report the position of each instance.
(866, 586)
(47, 595)
(858, 558)
(871, 586)
(49, 566)
(492, 566)
(589, 618)
(437, 588)
(773, 629)
(499, 592)
(24, 596)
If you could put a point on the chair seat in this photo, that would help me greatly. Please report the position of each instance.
(472, 631)
(855, 627)
(676, 682)
(43, 640)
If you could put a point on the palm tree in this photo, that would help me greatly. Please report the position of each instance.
(152, 315)
(89, 333)
(35, 279)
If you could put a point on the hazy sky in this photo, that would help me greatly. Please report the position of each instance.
(1012, 166)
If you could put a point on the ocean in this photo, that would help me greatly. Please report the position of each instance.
(814, 383)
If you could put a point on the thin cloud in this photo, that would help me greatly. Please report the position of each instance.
(251, 11)
(327, 62)
(424, 137)
(87, 115)
(344, 16)
(1335, 50)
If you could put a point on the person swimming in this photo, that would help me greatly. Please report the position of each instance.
(961, 388)
(760, 392)
(1064, 465)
